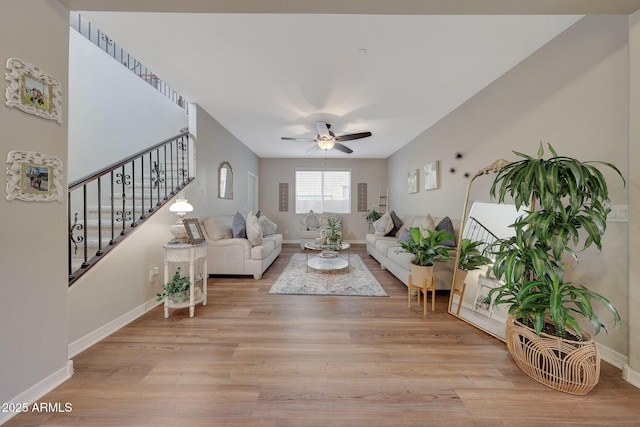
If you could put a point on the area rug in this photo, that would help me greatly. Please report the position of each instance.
(357, 281)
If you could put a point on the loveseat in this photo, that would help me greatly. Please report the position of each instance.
(250, 255)
(312, 224)
(383, 245)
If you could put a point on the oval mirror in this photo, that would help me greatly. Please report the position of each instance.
(225, 181)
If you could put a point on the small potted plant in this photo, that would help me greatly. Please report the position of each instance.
(372, 215)
(427, 249)
(177, 290)
(469, 259)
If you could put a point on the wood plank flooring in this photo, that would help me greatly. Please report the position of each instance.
(252, 359)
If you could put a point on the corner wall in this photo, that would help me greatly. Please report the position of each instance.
(33, 306)
(572, 93)
(633, 375)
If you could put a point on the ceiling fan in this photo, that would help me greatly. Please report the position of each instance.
(327, 140)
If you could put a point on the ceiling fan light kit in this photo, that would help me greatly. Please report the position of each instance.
(327, 140)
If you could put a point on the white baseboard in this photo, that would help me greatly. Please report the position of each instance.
(631, 376)
(34, 393)
(613, 357)
(88, 340)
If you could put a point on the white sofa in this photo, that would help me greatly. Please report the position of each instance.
(237, 256)
(388, 252)
(313, 223)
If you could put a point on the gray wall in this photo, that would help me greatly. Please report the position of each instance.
(214, 145)
(572, 93)
(276, 171)
(634, 199)
(33, 306)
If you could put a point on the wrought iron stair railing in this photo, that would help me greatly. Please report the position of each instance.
(108, 204)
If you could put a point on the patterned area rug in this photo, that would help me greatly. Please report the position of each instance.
(357, 281)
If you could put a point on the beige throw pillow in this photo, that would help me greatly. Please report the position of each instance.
(268, 227)
(254, 231)
(218, 227)
(383, 225)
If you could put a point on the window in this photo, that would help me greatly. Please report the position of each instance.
(323, 191)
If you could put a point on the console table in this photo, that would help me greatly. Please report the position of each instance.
(193, 254)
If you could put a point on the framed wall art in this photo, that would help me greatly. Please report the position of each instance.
(430, 175)
(195, 235)
(32, 91)
(33, 177)
(412, 181)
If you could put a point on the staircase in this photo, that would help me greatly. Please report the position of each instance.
(107, 205)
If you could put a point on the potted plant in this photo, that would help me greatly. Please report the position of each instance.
(469, 259)
(427, 249)
(177, 290)
(563, 196)
(372, 215)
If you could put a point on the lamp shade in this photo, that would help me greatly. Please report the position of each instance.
(326, 144)
(181, 205)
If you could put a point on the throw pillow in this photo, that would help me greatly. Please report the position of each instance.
(427, 224)
(405, 235)
(258, 214)
(218, 227)
(268, 227)
(446, 225)
(239, 226)
(311, 221)
(383, 225)
(397, 223)
(254, 231)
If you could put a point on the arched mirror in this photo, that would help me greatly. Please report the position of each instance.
(225, 181)
(483, 223)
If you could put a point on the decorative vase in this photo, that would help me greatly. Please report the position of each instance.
(565, 365)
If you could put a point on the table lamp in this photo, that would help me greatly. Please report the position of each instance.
(181, 207)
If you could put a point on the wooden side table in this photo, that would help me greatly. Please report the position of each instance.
(180, 253)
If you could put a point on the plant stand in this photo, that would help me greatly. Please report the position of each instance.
(569, 366)
(184, 252)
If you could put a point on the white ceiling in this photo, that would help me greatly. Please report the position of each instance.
(263, 76)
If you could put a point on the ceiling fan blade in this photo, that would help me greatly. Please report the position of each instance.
(298, 139)
(323, 129)
(342, 148)
(351, 136)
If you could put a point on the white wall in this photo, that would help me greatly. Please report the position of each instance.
(276, 171)
(572, 93)
(33, 306)
(112, 112)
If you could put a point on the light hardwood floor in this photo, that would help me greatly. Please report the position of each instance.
(252, 359)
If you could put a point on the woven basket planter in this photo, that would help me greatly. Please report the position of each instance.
(569, 366)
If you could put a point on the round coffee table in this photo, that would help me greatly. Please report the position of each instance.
(328, 259)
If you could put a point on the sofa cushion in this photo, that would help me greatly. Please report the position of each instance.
(239, 226)
(400, 257)
(446, 225)
(397, 224)
(263, 251)
(218, 227)
(268, 227)
(383, 245)
(383, 225)
(275, 238)
(253, 229)
(311, 221)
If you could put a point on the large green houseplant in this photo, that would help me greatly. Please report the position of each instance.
(567, 202)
